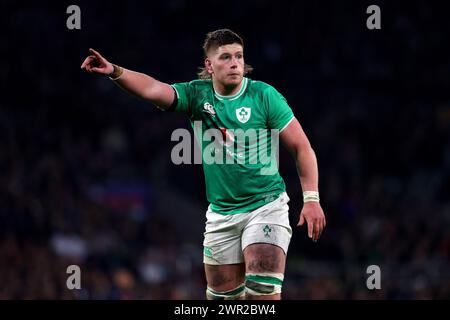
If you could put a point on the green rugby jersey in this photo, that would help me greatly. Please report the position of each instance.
(234, 182)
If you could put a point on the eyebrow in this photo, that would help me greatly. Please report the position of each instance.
(237, 52)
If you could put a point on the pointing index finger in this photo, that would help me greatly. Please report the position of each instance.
(95, 53)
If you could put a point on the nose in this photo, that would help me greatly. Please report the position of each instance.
(234, 63)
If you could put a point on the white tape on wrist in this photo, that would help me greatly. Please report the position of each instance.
(311, 196)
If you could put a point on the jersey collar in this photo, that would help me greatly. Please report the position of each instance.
(234, 96)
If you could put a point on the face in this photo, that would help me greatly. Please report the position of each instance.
(226, 64)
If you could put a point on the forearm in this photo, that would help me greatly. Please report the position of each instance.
(307, 169)
(136, 83)
(145, 87)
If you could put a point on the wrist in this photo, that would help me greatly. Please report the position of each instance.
(311, 196)
(116, 73)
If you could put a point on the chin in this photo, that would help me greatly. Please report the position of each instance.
(235, 80)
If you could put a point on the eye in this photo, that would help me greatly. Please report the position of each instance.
(239, 56)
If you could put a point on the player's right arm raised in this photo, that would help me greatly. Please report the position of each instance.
(135, 83)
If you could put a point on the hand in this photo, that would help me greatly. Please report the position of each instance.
(313, 214)
(95, 63)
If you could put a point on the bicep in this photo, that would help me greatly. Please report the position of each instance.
(162, 95)
(294, 138)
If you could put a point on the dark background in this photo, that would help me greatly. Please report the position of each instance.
(85, 170)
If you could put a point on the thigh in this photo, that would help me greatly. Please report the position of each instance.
(225, 277)
(264, 258)
(264, 266)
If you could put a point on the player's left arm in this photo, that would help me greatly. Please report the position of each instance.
(295, 140)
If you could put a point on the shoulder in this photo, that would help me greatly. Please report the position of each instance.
(200, 84)
(262, 88)
(193, 86)
(192, 90)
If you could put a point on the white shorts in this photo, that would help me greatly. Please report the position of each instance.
(226, 236)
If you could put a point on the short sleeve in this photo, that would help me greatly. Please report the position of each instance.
(183, 92)
(279, 112)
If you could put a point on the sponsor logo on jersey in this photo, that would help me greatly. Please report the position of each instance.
(243, 114)
(208, 108)
(227, 136)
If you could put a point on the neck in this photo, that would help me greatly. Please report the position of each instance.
(226, 90)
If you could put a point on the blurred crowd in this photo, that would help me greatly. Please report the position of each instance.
(85, 171)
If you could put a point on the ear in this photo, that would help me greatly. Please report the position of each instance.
(208, 66)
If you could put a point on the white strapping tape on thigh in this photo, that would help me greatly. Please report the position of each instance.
(226, 295)
(263, 284)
